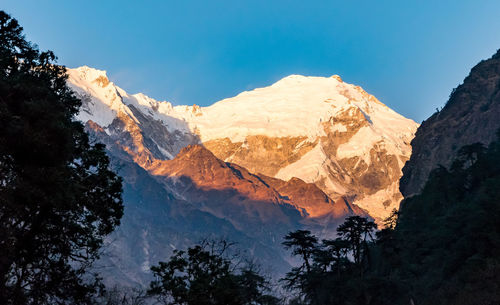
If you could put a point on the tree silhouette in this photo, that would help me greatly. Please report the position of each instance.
(326, 274)
(58, 199)
(356, 230)
(303, 244)
(332, 255)
(203, 275)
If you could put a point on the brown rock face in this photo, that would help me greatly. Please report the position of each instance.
(471, 115)
(201, 171)
(376, 173)
(364, 179)
(231, 192)
(359, 178)
(261, 154)
(102, 81)
(312, 199)
(356, 177)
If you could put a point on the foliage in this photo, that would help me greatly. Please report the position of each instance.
(441, 247)
(449, 235)
(122, 296)
(58, 199)
(204, 275)
(356, 230)
(327, 274)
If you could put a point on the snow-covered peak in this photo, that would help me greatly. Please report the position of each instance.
(101, 99)
(296, 79)
(337, 77)
(293, 79)
(290, 80)
(294, 106)
(319, 129)
(88, 74)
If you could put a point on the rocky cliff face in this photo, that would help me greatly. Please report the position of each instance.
(471, 115)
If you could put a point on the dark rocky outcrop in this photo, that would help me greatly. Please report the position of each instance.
(471, 115)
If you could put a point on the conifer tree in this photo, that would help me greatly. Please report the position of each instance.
(58, 199)
(206, 275)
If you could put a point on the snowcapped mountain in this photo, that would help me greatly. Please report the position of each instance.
(303, 153)
(321, 130)
(177, 192)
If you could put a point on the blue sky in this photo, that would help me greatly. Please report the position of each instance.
(409, 54)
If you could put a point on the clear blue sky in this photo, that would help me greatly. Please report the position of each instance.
(409, 54)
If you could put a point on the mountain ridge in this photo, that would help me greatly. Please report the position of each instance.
(470, 116)
(319, 129)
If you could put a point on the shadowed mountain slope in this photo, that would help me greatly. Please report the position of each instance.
(471, 115)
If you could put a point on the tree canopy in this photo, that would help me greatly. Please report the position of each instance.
(206, 275)
(441, 247)
(58, 198)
